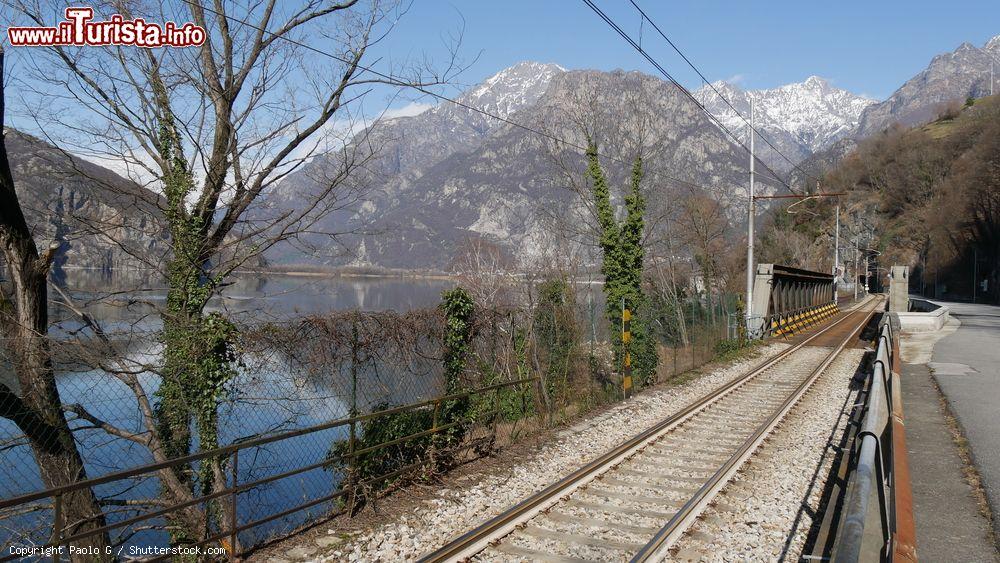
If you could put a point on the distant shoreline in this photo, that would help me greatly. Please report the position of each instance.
(345, 273)
(402, 274)
(337, 273)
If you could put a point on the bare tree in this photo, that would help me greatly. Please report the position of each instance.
(36, 407)
(213, 131)
(487, 271)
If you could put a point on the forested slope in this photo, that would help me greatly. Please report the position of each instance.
(927, 197)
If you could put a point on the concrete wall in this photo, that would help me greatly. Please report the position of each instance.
(899, 289)
(924, 317)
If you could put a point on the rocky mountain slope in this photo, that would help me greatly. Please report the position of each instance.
(505, 185)
(948, 78)
(426, 186)
(99, 219)
(799, 119)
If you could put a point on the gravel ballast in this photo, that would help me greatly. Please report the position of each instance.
(765, 512)
(455, 510)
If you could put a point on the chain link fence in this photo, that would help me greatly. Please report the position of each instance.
(323, 415)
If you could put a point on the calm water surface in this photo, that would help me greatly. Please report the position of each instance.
(273, 396)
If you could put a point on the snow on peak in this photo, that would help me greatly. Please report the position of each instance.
(512, 88)
(816, 81)
(813, 112)
(993, 45)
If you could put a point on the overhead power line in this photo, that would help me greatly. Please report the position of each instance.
(607, 19)
(714, 89)
(398, 82)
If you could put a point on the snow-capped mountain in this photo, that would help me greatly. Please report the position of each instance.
(800, 118)
(404, 149)
(948, 78)
(450, 176)
(509, 90)
(417, 142)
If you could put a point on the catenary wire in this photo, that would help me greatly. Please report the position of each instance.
(607, 19)
(714, 89)
(453, 101)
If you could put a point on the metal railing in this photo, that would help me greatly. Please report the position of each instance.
(877, 523)
(226, 533)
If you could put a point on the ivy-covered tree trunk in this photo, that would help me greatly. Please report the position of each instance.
(197, 354)
(458, 310)
(622, 266)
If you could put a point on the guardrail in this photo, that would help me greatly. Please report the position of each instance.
(226, 533)
(876, 522)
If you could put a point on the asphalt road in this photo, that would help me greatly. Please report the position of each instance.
(966, 365)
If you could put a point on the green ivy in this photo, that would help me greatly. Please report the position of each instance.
(199, 357)
(458, 308)
(383, 461)
(556, 333)
(622, 266)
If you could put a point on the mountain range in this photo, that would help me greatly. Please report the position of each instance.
(449, 177)
(98, 219)
(799, 119)
(950, 77)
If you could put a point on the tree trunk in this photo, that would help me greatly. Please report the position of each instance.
(41, 419)
(36, 408)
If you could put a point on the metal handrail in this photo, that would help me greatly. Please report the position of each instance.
(236, 488)
(876, 523)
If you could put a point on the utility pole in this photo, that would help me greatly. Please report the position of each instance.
(856, 276)
(975, 271)
(867, 269)
(836, 249)
(750, 217)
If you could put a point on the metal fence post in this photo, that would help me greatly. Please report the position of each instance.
(57, 526)
(496, 414)
(352, 464)
(233, 518)
(434, 435)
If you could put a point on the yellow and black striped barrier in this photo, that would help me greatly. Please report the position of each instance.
(798, 320)
(626, 338)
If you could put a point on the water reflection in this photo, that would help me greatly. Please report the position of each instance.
(272, 393)
(132, 300)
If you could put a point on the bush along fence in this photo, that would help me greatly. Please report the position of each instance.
(323, 415)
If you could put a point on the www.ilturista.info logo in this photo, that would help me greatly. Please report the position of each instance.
(79, 30)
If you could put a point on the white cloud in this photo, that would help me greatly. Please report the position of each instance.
(736, 79)
(125, 167)
(409, 110)
(335, 134)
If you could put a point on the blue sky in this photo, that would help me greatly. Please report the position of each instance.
(868, 47)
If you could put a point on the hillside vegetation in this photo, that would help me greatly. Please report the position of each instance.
(927, 197)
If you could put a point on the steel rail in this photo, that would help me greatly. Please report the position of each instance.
(478, 538)
(657, 547)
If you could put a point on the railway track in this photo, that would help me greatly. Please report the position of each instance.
(635, 501)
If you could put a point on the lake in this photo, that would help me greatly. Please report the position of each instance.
(130, 298)
(271, 395)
